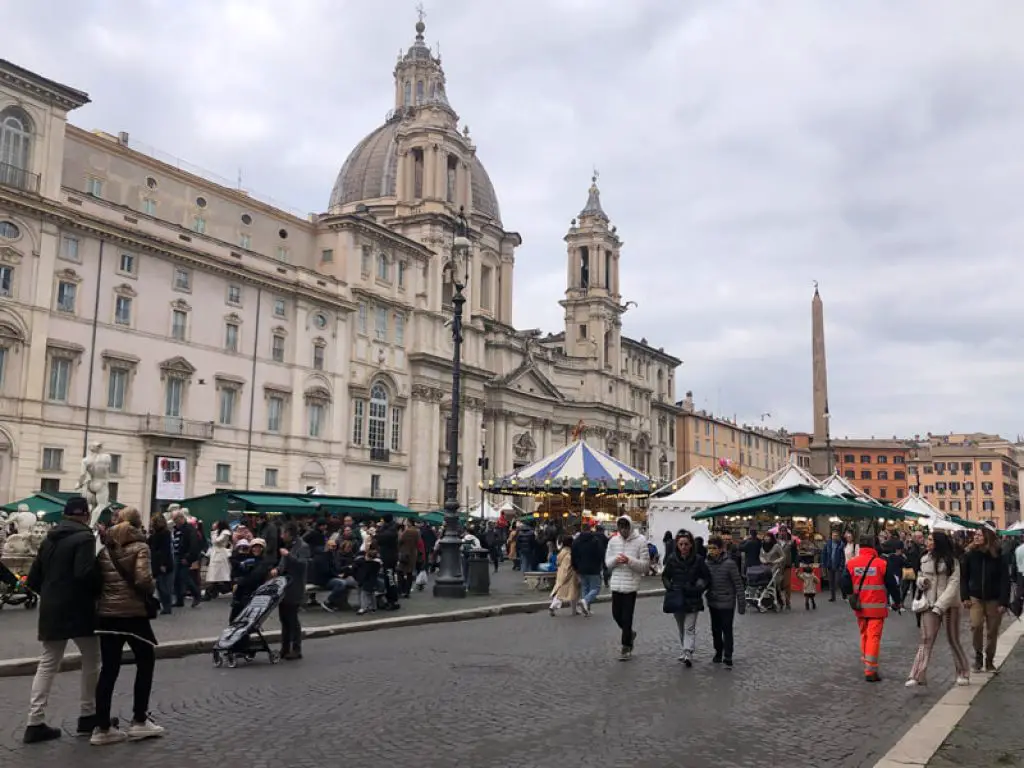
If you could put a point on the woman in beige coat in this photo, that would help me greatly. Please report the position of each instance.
(937, 600)
(567, 585)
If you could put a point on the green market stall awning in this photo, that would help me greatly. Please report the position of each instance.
(218, 506)
(50, 504)
(804, 501)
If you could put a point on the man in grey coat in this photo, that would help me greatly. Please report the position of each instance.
(294, 563)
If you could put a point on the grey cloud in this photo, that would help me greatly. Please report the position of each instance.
(744, 152)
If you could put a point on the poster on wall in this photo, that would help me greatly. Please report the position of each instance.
(170, 479)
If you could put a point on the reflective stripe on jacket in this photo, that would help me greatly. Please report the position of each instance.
(873, 601)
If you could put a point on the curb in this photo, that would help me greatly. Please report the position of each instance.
(178, 649)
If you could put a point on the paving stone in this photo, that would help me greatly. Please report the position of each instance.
(523, 690)
(990, 734)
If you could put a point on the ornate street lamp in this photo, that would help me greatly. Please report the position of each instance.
(449, 579)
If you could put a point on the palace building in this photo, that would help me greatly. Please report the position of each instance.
(170, 316)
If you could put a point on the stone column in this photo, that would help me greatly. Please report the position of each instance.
(505, 314)
(431, 158)
(419, 453)
(501, 465)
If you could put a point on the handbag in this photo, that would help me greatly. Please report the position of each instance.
(151, 603)
(854, 598)
(922, 603)
(909, 574)
(673, 602)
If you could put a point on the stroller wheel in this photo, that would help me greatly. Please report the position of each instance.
(232, 661)
(217, 660)
(274, 657)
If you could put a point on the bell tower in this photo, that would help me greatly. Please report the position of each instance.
(593, 304)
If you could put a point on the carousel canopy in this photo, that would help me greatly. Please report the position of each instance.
(802, 501)
(577, 468)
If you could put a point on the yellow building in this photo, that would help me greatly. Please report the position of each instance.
(707, 440)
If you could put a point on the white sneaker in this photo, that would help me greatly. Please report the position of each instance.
(101, 738)
(585, 607)
(911, 683)
(963, 680)
(146, 730)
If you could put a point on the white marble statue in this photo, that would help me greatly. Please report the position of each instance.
(20, 548)
(94, 482)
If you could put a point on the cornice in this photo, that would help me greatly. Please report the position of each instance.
(372, 227)
(39, 87)
(144, 242)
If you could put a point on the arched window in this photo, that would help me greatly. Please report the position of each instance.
(378, 421)
(15, 142)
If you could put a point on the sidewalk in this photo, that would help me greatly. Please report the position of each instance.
(990, 733)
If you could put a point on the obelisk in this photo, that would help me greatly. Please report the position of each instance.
(821, 449)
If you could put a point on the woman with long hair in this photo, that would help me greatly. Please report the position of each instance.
(938, 601)
(686, 577)
(985, 591)
(567, 583)
(218, 571)
(161, 558)
(122, 616)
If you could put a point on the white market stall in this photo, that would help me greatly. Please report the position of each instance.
(670, 513)
(934, 519)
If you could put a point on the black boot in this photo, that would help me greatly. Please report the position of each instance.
(979, 661)
(36, 734)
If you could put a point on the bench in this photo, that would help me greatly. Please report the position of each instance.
(314, 593)
(540, 580)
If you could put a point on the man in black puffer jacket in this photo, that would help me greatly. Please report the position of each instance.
(725, 598)
(588, 561)
(66, 577)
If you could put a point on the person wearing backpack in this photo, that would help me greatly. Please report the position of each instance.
(866, 581)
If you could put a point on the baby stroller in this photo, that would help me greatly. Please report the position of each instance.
(236, 640)
(13, 590)
(762, 591)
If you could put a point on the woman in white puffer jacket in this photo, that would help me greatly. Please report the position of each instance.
(938, 601)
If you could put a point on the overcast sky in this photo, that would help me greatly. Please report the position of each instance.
(745, 149)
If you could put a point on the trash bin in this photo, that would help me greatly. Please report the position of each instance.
(479, 573)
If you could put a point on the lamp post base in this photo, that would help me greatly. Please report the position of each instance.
(449, 581)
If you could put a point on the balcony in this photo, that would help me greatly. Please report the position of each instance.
(380, 454)
(19, 178)
(388, 494)
(175, 427)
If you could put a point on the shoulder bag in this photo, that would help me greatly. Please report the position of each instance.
(151, 603)
(854, 599)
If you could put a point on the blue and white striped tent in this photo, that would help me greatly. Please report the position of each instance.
(577, 468)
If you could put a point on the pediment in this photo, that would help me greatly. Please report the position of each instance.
(178, 365)
(9, 255)
(529, 379)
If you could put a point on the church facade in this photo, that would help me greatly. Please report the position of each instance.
(186, 324)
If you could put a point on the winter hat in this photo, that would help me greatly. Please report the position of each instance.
(76, 506)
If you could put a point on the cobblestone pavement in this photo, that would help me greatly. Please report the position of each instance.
(18, 626)
(990, 734)
(523, 690)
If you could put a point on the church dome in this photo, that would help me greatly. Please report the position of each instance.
(371, 170)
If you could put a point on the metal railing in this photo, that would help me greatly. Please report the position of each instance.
(380, 454)
(390, 494)
(175, 426)
(19, 178)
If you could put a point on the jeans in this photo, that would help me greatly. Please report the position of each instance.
(721, 631)
(687, 623)
(339, 587)
(49, 663)
(623, 606)
(405, 583)
(465, 570)
(367, 600)
(834, 574)
(291, 628)
(526, 562)
(111, 648)
(165, 589)
(590, 587)
(185, 582)
(985, 621)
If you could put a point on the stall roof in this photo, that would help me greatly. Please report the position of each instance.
(802, 501)
(50, 504)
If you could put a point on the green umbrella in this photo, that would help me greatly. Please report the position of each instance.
(804, 501)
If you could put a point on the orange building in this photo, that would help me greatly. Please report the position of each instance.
(877, 467)
(968, 480)
(800, 449)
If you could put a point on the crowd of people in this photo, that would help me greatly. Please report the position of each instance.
(102, 590)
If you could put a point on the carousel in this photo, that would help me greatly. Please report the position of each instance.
(576, 482)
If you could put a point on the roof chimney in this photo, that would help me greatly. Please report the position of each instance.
(122, 138)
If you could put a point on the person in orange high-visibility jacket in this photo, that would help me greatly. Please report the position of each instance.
(868, 577)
